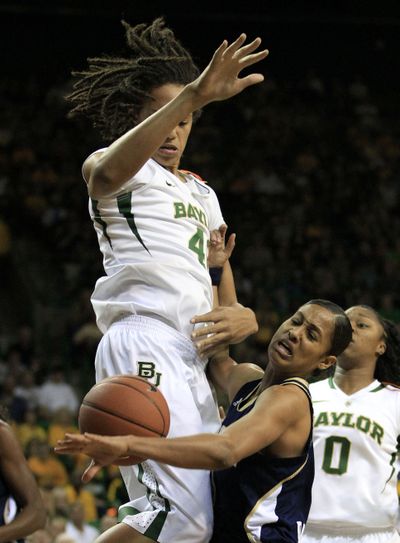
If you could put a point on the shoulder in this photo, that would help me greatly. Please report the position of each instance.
(242, 374)
(196, 175)
(286, 403)
(90, 162)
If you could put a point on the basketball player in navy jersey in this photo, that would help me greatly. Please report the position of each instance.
(22, 511)
(262, 459)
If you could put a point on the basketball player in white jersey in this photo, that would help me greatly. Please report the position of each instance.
(153, 222)
(356, 430)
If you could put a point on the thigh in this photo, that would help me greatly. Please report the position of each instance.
(121, 533)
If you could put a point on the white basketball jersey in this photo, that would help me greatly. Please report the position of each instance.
(355, 446)
(154, 235)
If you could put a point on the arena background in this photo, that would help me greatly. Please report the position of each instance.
(306, 166)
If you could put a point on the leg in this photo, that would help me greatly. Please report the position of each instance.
(166, 504)
(121, 533)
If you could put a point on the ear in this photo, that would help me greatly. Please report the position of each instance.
(381, 348)
(327, 362)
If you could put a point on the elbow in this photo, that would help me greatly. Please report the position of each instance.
(38, 518)
(101, 181)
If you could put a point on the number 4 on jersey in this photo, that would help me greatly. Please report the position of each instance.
(196, 244)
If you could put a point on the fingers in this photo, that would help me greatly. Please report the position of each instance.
(91, 471)
(220, 51)
(249, 48)
(236, 45)
(252, 59)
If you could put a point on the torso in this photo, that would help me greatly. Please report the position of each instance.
(153, 235)
(262, 498)
(355, 444)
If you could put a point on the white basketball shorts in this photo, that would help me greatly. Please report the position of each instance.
(167, 504)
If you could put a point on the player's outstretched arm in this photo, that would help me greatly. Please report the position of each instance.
(22, 485)
(108, 171)
(275, 411)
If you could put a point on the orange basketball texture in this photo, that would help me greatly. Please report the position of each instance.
(122, 405)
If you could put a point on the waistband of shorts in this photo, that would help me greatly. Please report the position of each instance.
(342, 530)
(154, 325)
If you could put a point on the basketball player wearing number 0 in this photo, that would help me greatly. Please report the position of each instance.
(153, 222)
(356, 429)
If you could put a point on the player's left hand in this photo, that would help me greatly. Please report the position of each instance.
(103, 450)
(218, 252)
(227, 325)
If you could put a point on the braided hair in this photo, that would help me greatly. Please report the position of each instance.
(113, 90)
(387, 368)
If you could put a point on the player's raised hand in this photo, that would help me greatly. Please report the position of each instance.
(220, 79)
(218, 251)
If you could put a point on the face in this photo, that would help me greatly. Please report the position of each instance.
(170, 152)
(300, 345)
(368, 340)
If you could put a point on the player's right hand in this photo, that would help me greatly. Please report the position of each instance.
(220, 79)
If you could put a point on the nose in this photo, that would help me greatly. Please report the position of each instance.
(294, 335)
(172, 134)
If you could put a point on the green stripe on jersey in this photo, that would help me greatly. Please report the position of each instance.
(125, 208)
(100, 221)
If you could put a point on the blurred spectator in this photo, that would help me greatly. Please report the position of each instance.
(41, 536)
(25, 345)
(27, 389)
(61, 422)
(77, 491)
(15, 405)
(56, 393)
(46, 467)
(76, 526)
(65, 538)
(29, 429)
(56, 526)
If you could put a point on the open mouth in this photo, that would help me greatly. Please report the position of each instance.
(284, 348)
(168, 149)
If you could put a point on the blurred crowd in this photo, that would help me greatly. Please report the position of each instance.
(307, 173)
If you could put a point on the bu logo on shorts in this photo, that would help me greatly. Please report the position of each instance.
(147, 370)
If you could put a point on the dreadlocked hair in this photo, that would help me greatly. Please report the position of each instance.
(113, 90)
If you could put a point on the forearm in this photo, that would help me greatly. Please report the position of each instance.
(203, 451)
(125, 156)
(226, 288)
(220, 369)
(31, 518)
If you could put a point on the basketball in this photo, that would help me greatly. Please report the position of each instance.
(122, 405)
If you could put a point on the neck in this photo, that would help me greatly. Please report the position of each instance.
(353, 379)
(273, 377)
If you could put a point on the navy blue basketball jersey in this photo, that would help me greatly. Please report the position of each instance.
(262, 499)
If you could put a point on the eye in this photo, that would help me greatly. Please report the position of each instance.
(295, 321)
(311, 335)
(362, 325)
(183, 123)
